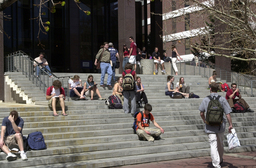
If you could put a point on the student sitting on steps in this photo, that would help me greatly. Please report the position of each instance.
(75, 87)
(56, 96)
(140, 93)
(90, 88)
(143, 130)
(118, 89)
(11, 135)
(170, 91)
(182, 87)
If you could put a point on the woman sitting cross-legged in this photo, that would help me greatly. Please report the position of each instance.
(182, 87)
(170, 91)
(75, 87)
(90, 88)
(140, 94)
(118, 89)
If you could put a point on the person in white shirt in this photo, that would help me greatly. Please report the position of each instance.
(182, 87)
(56, 96)
(75, 87)
(39, 63)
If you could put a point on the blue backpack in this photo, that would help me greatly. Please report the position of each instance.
(36, 141)
(135, 120)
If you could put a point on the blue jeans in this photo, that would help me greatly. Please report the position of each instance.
(125, 61)
(114, 69)
(105, 67)
(38, 70)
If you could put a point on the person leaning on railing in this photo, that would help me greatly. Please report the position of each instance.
(39, 63)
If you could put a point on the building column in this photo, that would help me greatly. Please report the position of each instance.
(156, 25)
(75, 63)
(1, 60)
(126, 26)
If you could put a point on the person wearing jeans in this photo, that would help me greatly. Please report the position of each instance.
(216, 133)
(40, 63)
(125, 56)
(113, 55)
(104, 65)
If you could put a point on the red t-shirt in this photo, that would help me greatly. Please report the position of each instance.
(144, 122)
(133, 46)
(126, 53)
(230, 92)
(129, 71)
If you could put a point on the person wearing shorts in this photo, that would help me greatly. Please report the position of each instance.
(133, 52)
(158, 60)
(90, 88)
(56, 96)
(11, 135)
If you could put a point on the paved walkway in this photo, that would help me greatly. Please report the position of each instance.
(17, 105)
(235, 160)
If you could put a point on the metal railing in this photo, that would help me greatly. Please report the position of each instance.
(246, 83)
(19, 61)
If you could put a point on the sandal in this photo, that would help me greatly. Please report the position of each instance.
(64, 114)
(55, 115)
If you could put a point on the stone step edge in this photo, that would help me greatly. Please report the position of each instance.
(18, 90)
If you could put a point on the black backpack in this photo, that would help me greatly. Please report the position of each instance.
(215, 111)
(113, 102)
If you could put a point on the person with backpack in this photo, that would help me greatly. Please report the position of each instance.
(129, 89)
(113, 56)
(143, 119)
(232, 94)
(213, 110)
(56, 96)
(118, 89)
(11, 135)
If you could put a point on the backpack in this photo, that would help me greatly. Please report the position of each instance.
(214, 115)
(225, 87)
(36, 141)
(134, 127)
(128, 81)
(239, 108)
(114, 102)
(25, 144)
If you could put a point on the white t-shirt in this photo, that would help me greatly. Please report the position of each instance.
(178, 83)
(57, 92)
(72, 83)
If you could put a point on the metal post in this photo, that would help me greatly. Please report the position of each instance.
(199, 69)
(43, 82)
(180, 67)
(184, 68)
(251, 88)
(195, 70)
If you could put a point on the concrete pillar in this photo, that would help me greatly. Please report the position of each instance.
(126, 26)
(75, 64)
(1, 60)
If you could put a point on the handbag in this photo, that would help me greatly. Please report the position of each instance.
(98, 62)
(232, 139)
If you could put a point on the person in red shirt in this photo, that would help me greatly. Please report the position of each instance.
(133, 52)
(129, 93)
(143, 130)
(56, 96)
(232, 94)
(125, 56)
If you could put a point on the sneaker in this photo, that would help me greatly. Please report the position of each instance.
(162, 71)
(11, 157)
(23, 156)
(249, 110)
(156, 72)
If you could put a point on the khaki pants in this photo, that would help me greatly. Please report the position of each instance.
(11, 141)
(57, 103)
(231, 102)
(143, 134)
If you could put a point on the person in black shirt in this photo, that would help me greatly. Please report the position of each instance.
(157, 60)
(144, 53)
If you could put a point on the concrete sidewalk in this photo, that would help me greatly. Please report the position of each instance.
(235, 160)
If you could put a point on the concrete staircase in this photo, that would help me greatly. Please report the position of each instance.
(94, 136)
